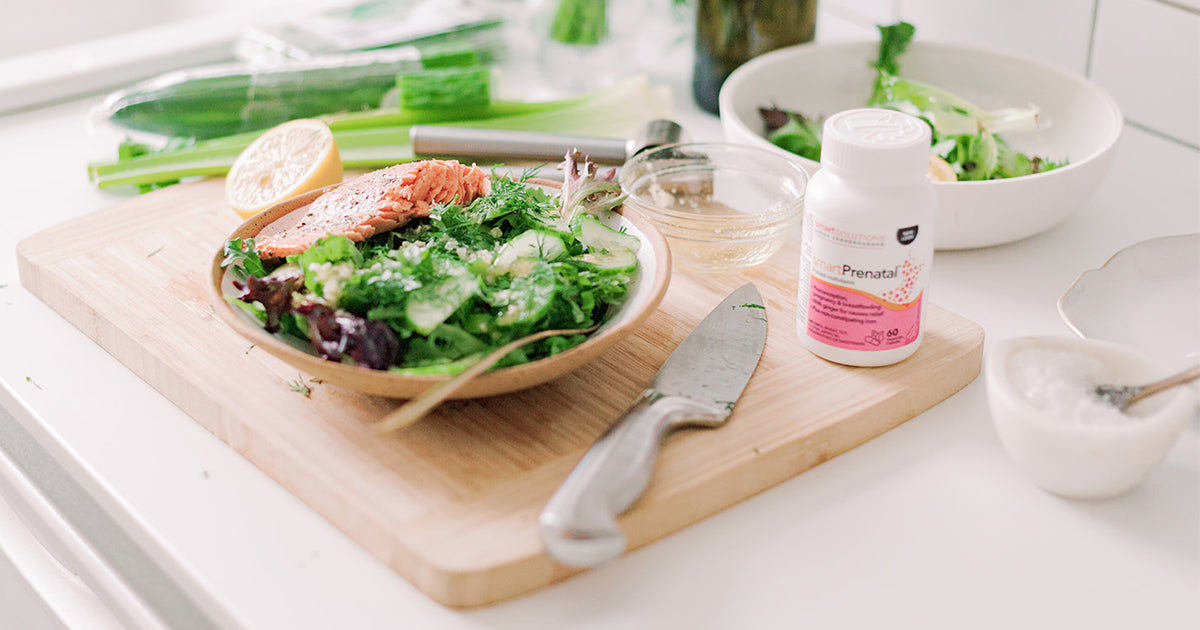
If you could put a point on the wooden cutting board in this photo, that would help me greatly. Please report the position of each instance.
(451, 503)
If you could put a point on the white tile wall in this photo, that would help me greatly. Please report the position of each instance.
(869, 12)
(836, 26)
(1147, 55)
(1055, 31)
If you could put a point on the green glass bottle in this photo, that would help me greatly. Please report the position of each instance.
(731, 32)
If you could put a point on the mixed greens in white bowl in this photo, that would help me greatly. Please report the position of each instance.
(1061, 128)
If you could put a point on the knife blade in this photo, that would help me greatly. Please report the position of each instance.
(698, 385)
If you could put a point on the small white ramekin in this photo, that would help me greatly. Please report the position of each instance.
(1068, 453)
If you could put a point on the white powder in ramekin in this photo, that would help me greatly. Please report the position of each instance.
(1062, 383)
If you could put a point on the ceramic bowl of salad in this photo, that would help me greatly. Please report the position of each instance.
(404, 309)
(1019, 145)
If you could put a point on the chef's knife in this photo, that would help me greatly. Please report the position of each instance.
(698, 385)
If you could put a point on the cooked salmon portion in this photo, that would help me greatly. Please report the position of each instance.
(372, 203)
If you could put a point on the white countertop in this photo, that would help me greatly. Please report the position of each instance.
(927, 526)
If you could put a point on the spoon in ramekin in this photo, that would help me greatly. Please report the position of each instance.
(1122, 396)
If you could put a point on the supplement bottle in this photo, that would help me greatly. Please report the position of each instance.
(867, 240)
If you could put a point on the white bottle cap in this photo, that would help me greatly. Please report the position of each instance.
(876, 142)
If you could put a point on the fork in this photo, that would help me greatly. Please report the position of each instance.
(416, 408)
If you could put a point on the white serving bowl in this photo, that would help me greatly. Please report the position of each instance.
(1147, 296)
(1066, 444)
(1078, 121)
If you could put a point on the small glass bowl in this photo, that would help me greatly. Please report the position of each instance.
(721, 206)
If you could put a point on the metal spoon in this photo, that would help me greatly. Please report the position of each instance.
(416, 408)
(1122, 396)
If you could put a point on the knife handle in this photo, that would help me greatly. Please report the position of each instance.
(579, 523)
(500, 144)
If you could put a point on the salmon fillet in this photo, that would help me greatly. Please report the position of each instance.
(372, 203)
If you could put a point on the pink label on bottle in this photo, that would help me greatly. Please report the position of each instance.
(854, 320)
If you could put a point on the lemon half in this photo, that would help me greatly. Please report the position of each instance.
(287, 160)
(940, 170)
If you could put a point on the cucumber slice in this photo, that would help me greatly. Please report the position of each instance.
(531, 244)
(598, 237)
(432, 304)
(529, 298)
(607, 248)
(613, 260)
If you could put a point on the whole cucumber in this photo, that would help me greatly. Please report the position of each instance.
(221, 100)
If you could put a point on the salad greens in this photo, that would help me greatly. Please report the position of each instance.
(964, 134)
(793, 131)
(437, 294)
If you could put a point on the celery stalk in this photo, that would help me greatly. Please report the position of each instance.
(377, 118)
(580, 22)
(375, 139)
